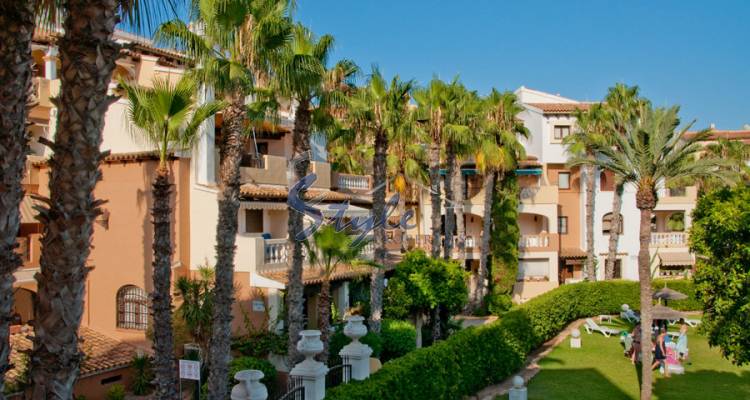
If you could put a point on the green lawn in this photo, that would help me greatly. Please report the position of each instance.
(599, 371)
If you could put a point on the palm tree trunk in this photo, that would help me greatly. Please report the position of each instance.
(645, 201)
(295, 289)
(324, 317)
(161, 298)
(226, 236)
(16, 30)
(88, 55)
(458, 196)
(614, 232)
(484, 261)
(401, 212)
(378, 209)
(435, 194)
(450, 213)
(590, 256)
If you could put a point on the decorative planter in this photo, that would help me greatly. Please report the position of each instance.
(249, 387)
(355, 328)
(310, 344)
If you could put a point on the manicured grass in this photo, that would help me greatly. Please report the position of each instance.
(600, 371)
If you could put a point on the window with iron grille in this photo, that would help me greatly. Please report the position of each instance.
(132, 308)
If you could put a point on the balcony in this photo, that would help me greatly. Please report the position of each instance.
(43, 89)
(471, 244)
(538, 242)
(270, 170)
(29, 248)
(538, 195)
(347, 182)
(277, 254)
(669, 239)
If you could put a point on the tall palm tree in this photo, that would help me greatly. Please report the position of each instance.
(652, 153)
(16, 31)
(301, 74)
(498, 153)
(230, 44)
(458, 135)
(406, 164)
(168, 117)
(432, 102)
(377, 110)
(462, 140)
(622, 104)
(88, 52)
(582, 144)
(736, 152)
(328, 250)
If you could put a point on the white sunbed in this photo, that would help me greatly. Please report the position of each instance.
(691, 322)
(592, 327)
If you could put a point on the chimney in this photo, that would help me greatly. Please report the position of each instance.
(712, 126)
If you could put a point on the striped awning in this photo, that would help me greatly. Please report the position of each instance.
(679, 259)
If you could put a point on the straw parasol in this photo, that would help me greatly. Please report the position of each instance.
(666, 293)
(661, 312)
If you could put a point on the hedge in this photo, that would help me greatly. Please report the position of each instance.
(477, 357)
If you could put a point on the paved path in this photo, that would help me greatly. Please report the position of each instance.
(530, 370)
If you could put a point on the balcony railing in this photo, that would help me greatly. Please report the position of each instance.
(669, 239)
(352, 182)
(278, 252)
(528, 241)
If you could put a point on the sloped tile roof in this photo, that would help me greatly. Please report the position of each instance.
(560, 108)
(101, 352)
(312, 276)
(251, 190)
(743, 134)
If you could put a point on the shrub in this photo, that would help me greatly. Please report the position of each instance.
(338, 340)
(480, 356)
(399, 338)
(142, 375)
(115, 392)
(242, 363)
(260, 344)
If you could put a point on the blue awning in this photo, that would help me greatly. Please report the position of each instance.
(529, 171)
(465, 171)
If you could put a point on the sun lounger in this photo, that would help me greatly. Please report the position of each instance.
(592, 327)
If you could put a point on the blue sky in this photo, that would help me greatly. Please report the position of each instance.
(695, 54)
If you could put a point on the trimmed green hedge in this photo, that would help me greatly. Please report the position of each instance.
(477, 357)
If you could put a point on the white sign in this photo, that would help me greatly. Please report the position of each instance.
(259, 306)
(190, 369)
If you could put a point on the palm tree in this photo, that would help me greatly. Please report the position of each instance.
(461, 141)
(16, 31)
(621, 104)
(736, 152)
(653, 152)
(498, 152)
(406, 163)
(432, 102)
(301, 74)
(88, 52)
(168, 118)
(458, 136)
(378, 110)
(232, 49)
(196, 307)
(582, 144)
(328, 250)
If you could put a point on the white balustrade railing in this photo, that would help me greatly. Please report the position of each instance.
(540, 241)
(353, 182)
(669, 239)
(276, 251)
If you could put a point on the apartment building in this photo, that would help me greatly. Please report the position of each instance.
(118, 286)
(551, 211)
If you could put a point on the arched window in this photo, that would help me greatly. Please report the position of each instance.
(607, 223)
(132, 308)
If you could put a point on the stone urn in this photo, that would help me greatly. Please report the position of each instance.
(355, 328)
(249, 387)
(310, 343)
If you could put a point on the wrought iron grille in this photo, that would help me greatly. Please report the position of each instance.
(337, 375)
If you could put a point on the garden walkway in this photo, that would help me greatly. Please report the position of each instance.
(532, 367)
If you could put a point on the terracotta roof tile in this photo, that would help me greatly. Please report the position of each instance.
(312, 276)
(560, 108)
(100, 352)
(743, 134)
(251, 190)
(118, 157)
(572, 252)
